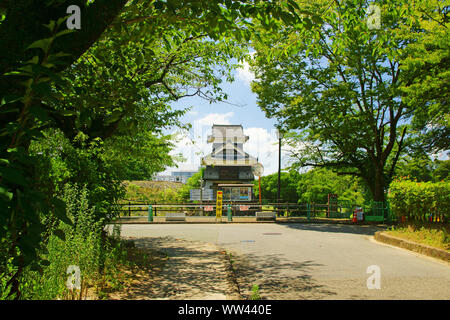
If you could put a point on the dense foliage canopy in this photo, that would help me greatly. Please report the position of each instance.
(355, 97)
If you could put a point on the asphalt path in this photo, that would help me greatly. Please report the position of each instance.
(294, 261)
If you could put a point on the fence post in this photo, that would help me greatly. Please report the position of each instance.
(150, 213)
(129, 208)
(308, 209)
(230, 218)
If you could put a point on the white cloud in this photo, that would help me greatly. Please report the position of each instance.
(244, 73)
(263, 145)
(214, 118)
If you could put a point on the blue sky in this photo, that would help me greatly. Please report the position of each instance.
(243, 109)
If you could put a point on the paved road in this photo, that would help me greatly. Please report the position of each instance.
(314, 261)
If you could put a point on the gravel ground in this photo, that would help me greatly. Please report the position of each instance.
(180, 270)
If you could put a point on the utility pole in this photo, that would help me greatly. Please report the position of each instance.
(279, 136)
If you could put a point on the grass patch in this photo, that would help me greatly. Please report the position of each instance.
(153, 191)
(435, 235)
(138, 273)
(255, 293)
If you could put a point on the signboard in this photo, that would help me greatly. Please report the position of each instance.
(209, 208)
(206, 194)
(229, 173)
(359, 214)
(243, 208)
(219, 205)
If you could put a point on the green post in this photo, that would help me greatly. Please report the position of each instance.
(150, 213)
(308, 209)
(230, 218)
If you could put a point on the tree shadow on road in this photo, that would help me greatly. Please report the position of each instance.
(278, 278)
(335, 228)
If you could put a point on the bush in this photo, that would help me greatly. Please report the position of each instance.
(83, 245)
(153, 191)
(419, 200)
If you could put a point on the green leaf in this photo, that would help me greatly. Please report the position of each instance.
(36, 267)
(116, 114)
(51, 25)
(67, 113)
(60, 211)
(61, 33)
(9, 98)
(5, 193)
(159, 5)
(43, 89)
(43, 44)
(45, 263)
(317, 19)
(60, 234)
(294, 4)
(139, 59)
(18, 73)
(13, 176)
(34, 60)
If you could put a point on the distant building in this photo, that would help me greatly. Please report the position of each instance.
(176, 176)
(187, 174)
(228, 166)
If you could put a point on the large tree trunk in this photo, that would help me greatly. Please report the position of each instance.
(376, 181)
(379, 185)
(25, 21)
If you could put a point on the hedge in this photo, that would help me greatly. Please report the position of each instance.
(418, 200)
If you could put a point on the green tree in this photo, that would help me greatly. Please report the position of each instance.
(316, 184)
(140, 156)
(269, 187)
(193, 182)
(441, 171)
(339, 86)
(426, 66)
(422, 168)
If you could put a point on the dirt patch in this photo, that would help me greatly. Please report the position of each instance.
(175, 269)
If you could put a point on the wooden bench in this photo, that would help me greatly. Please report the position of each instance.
(176, 216)
(266, 215)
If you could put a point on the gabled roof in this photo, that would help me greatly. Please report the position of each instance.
(222, 132)
(229, 146)
(229, 138)
(214, 159)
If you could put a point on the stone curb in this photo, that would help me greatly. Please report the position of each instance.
(231, 277)
(413, 246)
